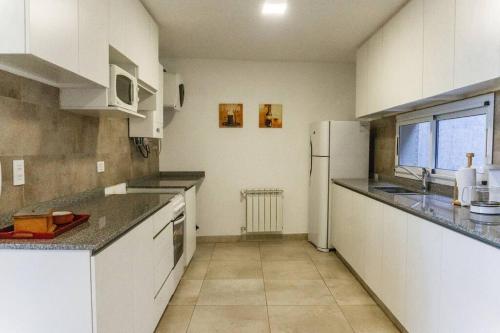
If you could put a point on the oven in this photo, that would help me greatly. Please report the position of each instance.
(178, 229)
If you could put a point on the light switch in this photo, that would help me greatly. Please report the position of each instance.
(18, 172)
(100, 166)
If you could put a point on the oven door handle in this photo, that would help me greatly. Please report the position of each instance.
(179, 208)
(179, 220)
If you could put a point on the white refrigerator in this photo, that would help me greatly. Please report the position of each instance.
(339, 149)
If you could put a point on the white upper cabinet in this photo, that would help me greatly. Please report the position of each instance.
(362, 82)
(93, 40)
(139, 41)
(53, 31)
(403, 51)
(63, 43)
(439, 46)
(477, 49)
(432, 50)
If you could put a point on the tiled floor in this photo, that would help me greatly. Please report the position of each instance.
(283, 286)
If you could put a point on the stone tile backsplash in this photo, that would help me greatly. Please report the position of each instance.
(60, 149)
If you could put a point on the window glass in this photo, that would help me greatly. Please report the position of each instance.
(414, 144)
(458, 136)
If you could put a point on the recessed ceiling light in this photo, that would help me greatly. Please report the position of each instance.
(274, 8)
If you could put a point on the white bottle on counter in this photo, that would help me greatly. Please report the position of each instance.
(466, 178)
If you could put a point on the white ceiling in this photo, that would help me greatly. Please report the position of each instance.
(310, 30)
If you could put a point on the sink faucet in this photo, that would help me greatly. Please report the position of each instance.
(424, 177)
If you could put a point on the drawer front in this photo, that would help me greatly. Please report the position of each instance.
(163, 217)
(163, 255)
(167, 290)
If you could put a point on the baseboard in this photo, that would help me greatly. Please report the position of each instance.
(253, 237)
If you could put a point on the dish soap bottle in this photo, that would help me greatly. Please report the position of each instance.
(466, 178)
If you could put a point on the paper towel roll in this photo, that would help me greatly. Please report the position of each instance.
(466, 177)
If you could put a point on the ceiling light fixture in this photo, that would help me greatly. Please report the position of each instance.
(274, 8)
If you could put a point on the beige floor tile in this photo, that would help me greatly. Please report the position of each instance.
(298, 292)
(349, 292)
(237, 244)
(187, 292)
(368, 319)
(333, 269)
(290, 270)
(196, 270)
(318, 256)
(307, 319)
(284, 243)
(232, 292)
(250, 269)
(238, 252)
(283, 253)
(175, 319)
(204, 251)
(229, 319)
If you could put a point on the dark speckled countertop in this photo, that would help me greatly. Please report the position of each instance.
(111, 217)
(434, 208)
(172, 179)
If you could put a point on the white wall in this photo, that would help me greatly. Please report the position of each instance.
(233, 158)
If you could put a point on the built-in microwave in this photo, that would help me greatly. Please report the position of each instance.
(123, 89)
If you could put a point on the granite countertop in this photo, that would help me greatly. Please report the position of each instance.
(172, 179)
(434, 208)
(111, 217)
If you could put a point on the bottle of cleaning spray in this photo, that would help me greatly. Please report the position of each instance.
(466, 178)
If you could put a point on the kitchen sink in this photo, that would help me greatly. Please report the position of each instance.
(396, 190)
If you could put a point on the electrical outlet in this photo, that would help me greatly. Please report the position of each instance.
(18, 172)
(100, 166)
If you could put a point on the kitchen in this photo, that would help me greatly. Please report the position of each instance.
(185, 166)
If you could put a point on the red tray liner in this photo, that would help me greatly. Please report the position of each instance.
(9, 233)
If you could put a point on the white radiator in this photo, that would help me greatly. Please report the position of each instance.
(264, 210)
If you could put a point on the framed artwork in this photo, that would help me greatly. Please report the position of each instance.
(270, 115)
(230, 115)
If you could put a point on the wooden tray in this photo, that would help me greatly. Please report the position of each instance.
(9, 233)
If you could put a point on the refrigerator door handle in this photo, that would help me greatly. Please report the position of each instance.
(311, 164)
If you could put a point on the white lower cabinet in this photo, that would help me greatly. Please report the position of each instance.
(374, 244)
(394, 261)
(123, 288)
(423, 275)
(470, 287)
(431, 278)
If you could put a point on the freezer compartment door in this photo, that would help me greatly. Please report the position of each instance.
(318, 202)
(349, 149)
(319, 134)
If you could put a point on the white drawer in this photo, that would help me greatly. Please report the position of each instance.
(162, 217)
(163, 255)
(168, 289)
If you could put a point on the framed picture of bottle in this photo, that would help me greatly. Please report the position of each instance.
(270, 115)
(230, 115)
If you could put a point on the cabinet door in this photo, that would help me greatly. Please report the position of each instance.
(190, 235)
(374, 243)
(423, 275)
(403, 51)
(477, 46)
(470, 290)
(439, 46)
(357, 230)
(362, 81)
(93, 40)
(394, 261)
(113, 279)
(143, 262)
(343, 206)
(53, 32)
(12, 27)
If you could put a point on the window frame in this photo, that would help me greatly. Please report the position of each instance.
(483, 104)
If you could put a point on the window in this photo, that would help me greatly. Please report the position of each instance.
(438, 138)
(414, 144)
